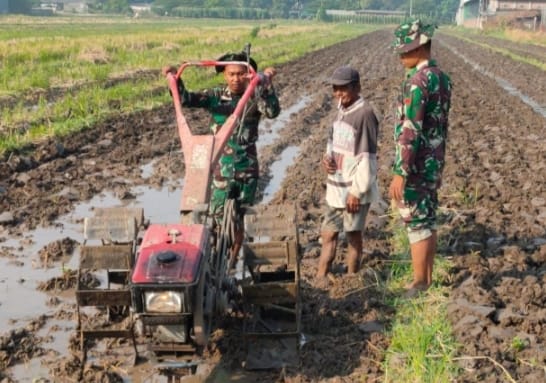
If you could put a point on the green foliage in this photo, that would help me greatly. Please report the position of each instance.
(39, 80)
(374, 4)
(215, 3)
(321, 15)
(422, 347)
(447, 10)
(254, 32)
(280, 8)
(467, 197)
(162, 7)
(221, 13)
(518, 344)
(438, 10)
(112, 6)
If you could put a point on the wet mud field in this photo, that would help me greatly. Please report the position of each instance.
(493, 211)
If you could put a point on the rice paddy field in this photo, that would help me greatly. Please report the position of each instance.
(87, 121)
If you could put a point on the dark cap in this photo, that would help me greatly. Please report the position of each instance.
(235, 57)
(344, 75)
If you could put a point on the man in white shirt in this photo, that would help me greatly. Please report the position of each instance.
(351, 163)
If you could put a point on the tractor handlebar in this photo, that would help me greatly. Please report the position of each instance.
(201, 153)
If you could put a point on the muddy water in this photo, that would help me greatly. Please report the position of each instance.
(278, 170)
(22, 271)
(20, 281)
(270, 128)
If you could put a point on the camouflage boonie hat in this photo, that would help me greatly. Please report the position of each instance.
(412, 35)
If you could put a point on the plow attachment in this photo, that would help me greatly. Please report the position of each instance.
(271, 296)
(113, 233)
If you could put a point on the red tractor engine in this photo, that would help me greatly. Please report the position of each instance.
(168, 285)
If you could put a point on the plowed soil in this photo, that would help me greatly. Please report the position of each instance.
(529, 51)
(493, 204)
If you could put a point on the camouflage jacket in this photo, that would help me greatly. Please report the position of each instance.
(221, 104)
(421, 126)
(239, 157)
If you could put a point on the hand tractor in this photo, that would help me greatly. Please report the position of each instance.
(166, 285)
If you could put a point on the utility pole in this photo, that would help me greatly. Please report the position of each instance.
(479, 20)
(410, 8)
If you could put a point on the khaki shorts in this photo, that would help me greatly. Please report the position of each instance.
(338, 219)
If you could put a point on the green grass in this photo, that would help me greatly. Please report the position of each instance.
(75, 57)
(518, 35)
(467, 197)
(518, 344)
(66, 56)
(422, 348)
(515, 35)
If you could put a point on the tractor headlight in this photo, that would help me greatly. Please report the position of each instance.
(164, 301)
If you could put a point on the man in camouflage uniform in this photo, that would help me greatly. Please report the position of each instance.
(420, 137)
(236, 174)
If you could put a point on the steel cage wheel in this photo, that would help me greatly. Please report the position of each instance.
(202, 316)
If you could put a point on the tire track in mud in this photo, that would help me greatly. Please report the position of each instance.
(505, 85)
(495, 148)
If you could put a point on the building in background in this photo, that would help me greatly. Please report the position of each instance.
(468, 13)
(70, 6)
(528, 14)
(140, 9)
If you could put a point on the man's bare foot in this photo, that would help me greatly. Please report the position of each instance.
(414, 289)
(421, 286)
(322, 282)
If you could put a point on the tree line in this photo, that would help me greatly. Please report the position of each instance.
(441, 10)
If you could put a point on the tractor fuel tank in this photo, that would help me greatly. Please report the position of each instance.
(170, 254)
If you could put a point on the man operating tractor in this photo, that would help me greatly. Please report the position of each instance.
(236, 174)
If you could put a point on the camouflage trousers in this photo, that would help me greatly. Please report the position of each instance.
(244, 192)
(235, 176)
(418, 211)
